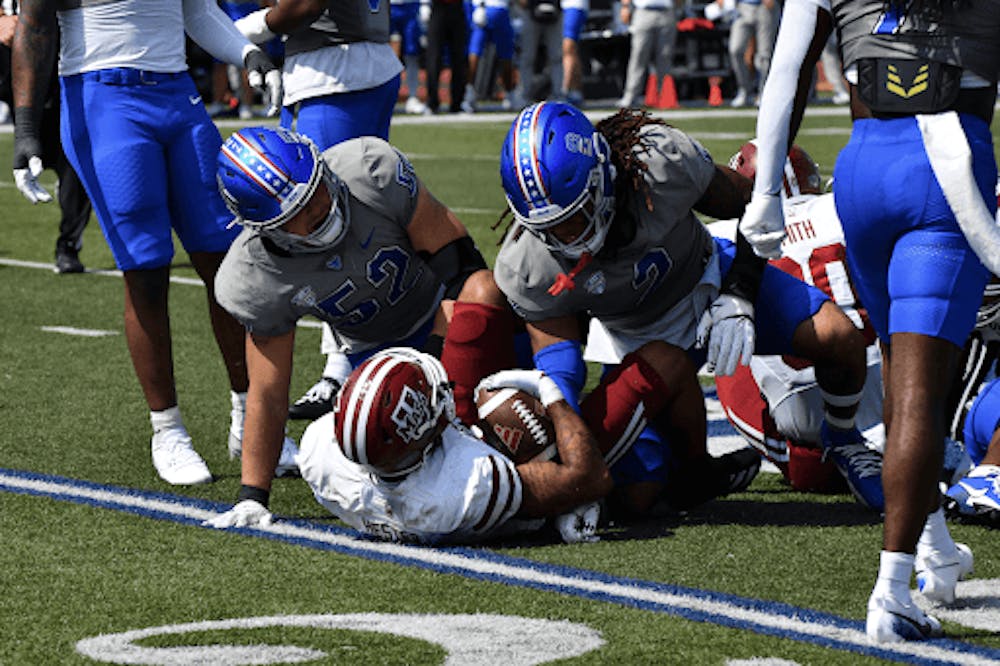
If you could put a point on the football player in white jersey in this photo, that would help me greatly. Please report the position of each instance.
(136, 132)
(605, 226)
(775, 401)
(352, 237)
(393, 461)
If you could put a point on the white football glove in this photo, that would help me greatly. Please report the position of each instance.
(580, 524)
(263, 75)
(727, 327)
(27, 182)
(254, 27)
(763, 224)
(535, 382)
(248, 513)
(479, 16)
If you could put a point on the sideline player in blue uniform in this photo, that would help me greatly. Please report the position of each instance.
(136, 131)
(914, 190)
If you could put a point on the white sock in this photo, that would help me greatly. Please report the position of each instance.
(337, 367)
(894, 571)
(935, 535)
(168, 418)
(238, 412)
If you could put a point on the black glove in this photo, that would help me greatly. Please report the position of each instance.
(263, 75)
(28, 155)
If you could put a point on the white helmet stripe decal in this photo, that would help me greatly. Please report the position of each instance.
(269, 177)
(526, 153)
(372, 379)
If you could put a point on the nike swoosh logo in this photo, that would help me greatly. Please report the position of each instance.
(924, 628)
(366, 242)
(194, 99)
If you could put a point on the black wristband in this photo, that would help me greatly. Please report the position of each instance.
(254, 493)
(746, 272)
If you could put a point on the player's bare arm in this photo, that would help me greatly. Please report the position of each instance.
(288, 15)
(269, 363)
(433, 225)
(580, 475)
(34, 51)
(727, 194)
(550, 331)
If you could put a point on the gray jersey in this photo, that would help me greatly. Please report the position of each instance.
(630, 286)
(967, 35)
(343, 21)
(371, 287)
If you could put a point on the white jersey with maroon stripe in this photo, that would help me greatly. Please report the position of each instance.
(813, 251)
(465, 490)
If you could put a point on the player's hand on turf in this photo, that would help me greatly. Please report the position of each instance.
(763, 224)
(247, 513)
(728, 330)
(27, 158)
(263, 75)
(535, 382)
(580, 524)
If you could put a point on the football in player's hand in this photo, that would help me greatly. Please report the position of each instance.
(515, 423)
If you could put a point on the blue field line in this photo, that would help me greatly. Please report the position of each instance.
(758, 616)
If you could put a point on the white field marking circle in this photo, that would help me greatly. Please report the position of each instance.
(479, 639)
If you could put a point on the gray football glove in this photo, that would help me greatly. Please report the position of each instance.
(728, 330)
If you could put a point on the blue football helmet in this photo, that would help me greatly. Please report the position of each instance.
(554, 164)
(268, 175)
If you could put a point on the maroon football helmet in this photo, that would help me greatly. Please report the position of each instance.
(391, 411)
(801, 172)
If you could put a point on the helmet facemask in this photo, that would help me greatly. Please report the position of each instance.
(596, 207)
(329, 232)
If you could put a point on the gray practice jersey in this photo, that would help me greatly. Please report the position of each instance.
(631, 286)
(371, 287)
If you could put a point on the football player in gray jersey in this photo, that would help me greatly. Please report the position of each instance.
(914, 190)
(341, 81)
(605, 229)
(352, 237)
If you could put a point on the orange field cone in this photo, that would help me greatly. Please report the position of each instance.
(652, 99)
(714, 91)
(668, 94)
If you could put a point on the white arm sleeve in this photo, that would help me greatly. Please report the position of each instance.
(798, 25)
(212, 30)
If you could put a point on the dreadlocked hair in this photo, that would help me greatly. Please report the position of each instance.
(622, 131)
(506, 216)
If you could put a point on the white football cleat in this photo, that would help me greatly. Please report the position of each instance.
(938, 573)
(175, 459)
(891, 620)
